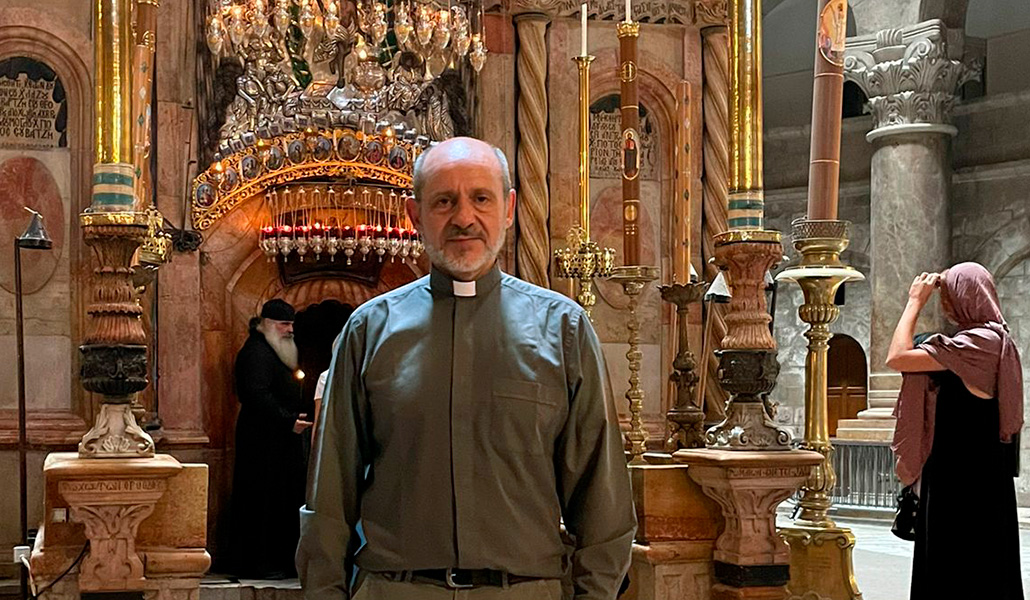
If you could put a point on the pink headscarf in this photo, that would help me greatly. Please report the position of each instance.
(982, 353)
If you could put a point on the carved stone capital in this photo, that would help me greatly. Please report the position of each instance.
(909, 77)
(111, 499)
(709, 13)
(748, 486)
(541, 8)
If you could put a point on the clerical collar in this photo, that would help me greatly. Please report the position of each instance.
(444, 285)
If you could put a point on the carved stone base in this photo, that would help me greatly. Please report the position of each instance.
(116, 435)
(111, 498)
(748, 487)
(748, 375)
(821, 564)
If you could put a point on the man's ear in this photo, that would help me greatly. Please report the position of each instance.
(413, 209)
(511, 209)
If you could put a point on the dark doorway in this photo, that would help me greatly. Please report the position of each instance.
(845, 380)
(315, 329)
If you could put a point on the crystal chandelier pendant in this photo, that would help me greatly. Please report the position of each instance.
(282, 17)
(332, 19)
(442, 32)
(424, 26)
(477, 56)
(402, 24)
(215, 34)
(379, 25)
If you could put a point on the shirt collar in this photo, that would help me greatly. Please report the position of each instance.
(445, 285)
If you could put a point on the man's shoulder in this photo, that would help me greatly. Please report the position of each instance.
(383, 302)
(549, 298)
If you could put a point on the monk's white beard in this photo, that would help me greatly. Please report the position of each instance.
(285, 348)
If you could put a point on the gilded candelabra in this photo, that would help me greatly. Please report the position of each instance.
(584, 259)
(820, 273)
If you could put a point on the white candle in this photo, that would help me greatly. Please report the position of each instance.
(629, 16)
(583, 29)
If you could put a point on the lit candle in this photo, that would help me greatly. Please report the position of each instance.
(583, 29)
(629, 16)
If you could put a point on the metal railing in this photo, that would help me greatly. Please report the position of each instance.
(865, 474)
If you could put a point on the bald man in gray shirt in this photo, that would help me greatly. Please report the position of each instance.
(466, 415)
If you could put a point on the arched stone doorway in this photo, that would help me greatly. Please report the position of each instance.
(315, 329)
(846, 377)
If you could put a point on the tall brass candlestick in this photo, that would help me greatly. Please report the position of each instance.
(584, 259)
(628, 34)
(583, 62)
(827, 94)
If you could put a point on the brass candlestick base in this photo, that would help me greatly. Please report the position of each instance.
(633, 279)
(686, 418)
(827, 567)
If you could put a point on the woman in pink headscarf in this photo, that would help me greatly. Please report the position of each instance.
(959, 415)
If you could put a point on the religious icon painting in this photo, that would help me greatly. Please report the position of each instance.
(230, 178)
(250, 167)
(275, 158)
(833, 25)
(398, 158)
(348, 147)
(295, 152)
(374, 152)
(630, 154)
(323, 148)
(205, 195)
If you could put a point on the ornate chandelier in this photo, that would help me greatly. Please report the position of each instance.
(372, 56)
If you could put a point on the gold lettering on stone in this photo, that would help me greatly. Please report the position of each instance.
(112, 485)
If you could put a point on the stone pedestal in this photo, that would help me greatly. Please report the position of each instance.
(677, 526)
(911, 78)
(145, 521)
(751, 560)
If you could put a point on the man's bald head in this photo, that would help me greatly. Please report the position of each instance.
(459, 148)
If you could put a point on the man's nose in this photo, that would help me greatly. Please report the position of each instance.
(289, 328)
(464, 213)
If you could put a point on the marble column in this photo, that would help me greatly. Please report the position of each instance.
(912, 79)
(533, 250)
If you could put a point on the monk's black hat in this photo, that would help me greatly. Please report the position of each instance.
(278, 310)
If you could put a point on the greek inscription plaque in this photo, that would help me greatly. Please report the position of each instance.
(33, 106)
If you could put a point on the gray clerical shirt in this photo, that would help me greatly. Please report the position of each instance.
(458, 431)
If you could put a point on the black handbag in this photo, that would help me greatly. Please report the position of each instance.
(905, 521)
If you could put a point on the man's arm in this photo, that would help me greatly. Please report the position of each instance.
(593, 482)
(328, 520)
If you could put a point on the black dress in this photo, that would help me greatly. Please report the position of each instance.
(269, 471)
(967, 532)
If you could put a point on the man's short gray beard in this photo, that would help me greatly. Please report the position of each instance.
(459, 269)
(285, 347)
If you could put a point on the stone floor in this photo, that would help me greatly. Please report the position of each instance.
(883, 562)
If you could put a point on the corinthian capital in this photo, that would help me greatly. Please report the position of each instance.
(908, 76)
(535, 7)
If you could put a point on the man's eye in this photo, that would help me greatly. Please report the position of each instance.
(482, 199)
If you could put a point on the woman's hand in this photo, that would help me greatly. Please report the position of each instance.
(922, 288)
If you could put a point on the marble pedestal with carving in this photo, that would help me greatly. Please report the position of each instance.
(751, 560)
(145, 520)
(676, 530)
